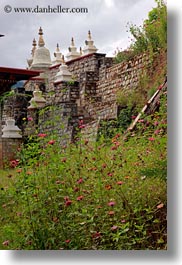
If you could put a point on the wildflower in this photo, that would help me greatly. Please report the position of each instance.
(24, 119)
(79, 198)
(64, 159)
(68, 202)
(86, 142)
(157, 132)
(120, 182)
(51, 142)
(19, 170)
(104, 165)
(161, 205)
(123, 221)
(58, 182)
(151, 139)
(29, 172)
(66, 198)
(108, 187)
(111, 213)
(67, 241)
(14, 163)
(76, 189)
(42, 135)
(133, 117)
(6, 243)
(111, 203)
(79, 181)
(114, 227)
(96, 235)
(110, 174)
(30, 119)
(80, 124)
(156, 123)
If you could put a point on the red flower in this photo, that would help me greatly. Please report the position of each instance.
(14, 163)
(68, 202)
(42, 135)
(67, 241)
(80, 124)
(120, 182)
(79, 198)
(112, 203)
(79, 181)
(76, 189)
(51, 142)
(151, 139)
(96, 235)
(114, 227)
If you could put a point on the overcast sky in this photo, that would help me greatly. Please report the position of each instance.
(107, 20)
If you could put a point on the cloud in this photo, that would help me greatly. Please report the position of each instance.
(106, 19)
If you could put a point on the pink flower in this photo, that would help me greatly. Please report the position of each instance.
(157, 132)
(6, 243)
(114, 227)
(42, 135)
(120, 182)
(151, 139)
(67, 241)
(30, 119)
(76, 189)
(80, 124)
(112, 203)
(51, 142)
(14, 163)
(79, 198)
(68, 202)
(111, 212)
(79, 181)
(123, 221)
(96, 235)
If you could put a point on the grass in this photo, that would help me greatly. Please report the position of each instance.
(97, 196)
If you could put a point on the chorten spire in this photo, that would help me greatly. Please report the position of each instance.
(89, 35)
(89, 45)
(34, 44)
(41, 40)
(73, 54)
(41, 57)
(57, 55)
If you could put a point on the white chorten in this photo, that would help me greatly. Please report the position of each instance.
(37, 101)
(89, 47)
(10, 130)
(73, 54)
(29, 61)
(57, 56)
(41, 58)
(63, 74)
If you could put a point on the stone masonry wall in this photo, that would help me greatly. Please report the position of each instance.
(93, 93)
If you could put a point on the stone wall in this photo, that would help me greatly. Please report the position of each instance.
(8, 150)
(92, 95)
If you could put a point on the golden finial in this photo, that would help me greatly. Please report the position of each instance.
(34, 44)
(89, 35)
(81, 51)
(72, 42)
(41, 40)
(63, 61)
(57, 48)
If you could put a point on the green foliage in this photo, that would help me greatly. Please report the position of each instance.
(151, 37)
(59, 196)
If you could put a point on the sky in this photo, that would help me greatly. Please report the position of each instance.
(106, 19)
